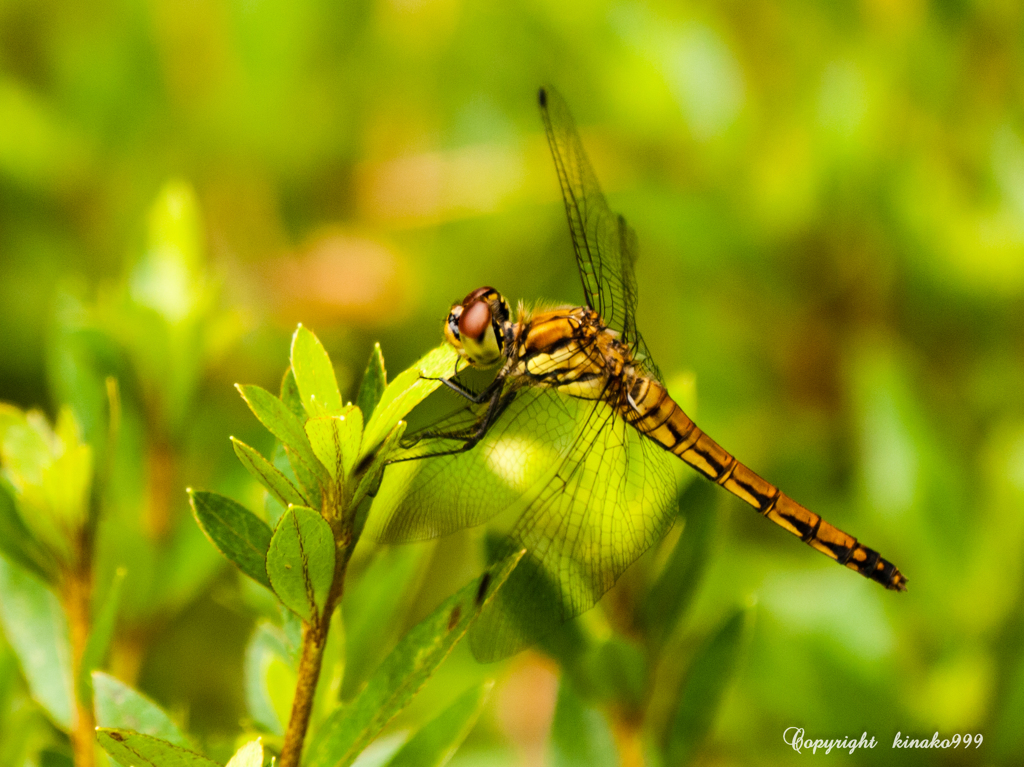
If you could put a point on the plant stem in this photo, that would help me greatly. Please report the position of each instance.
(77, 592)
(314, 639)
(628, 741)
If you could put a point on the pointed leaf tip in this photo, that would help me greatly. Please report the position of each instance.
(239, 534)
(268, 475)
(314, 375)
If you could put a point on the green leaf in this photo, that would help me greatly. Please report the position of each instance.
(37, 631)
(120, 706)
(580, 736)
(66, 481)
(287, 427)
(375, 379)
(371, 478)
(618, 671)
(102, 632)
(408, 390)
(49, 472)
(54, 756)
(438, 739)
(166, 276)
(249, 755)
(527, 604)
(268, 475)
(671, 595)
(17, 542)
(383, 748)
(240, 535)
(704, 687)
(138, 750)
(79, 358)
(372, 606)
(335, 440)
(314, 375)
(301, 561)
(26, 445)
(392, 685)
(269, 677)
(291, 629)
(25, 729)
(290, 395)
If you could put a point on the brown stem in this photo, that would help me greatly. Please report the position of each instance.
(160, 489)
(314, 639)
(628, 741)
(77, 591)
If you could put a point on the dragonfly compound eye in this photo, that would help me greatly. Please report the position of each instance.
(475, 320)
(478, 335)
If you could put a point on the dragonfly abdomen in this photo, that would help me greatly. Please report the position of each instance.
(650, 409)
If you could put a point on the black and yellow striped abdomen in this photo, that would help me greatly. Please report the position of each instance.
(650, 409)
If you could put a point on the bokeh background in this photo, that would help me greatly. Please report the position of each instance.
(829, 198)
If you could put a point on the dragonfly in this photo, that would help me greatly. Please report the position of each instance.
(576, 442)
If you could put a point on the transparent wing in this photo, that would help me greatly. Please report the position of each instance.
(589, 492)
(611, 498)
(440, 494)
(605, 245)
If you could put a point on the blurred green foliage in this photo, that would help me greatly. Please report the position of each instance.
(830, 204)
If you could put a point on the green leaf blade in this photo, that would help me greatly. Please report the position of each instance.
(29, 451)
(392, 685)
(139, 750)
(314, 375)
(371, 478)
(580, 735)
(335, 440)
(373, 606)
(16, 541)
(701, 696)
(100, 635)
(268, 475)
(249, 755)
(120, 706)
(673, 591)
(435, 743)
(300, 561)
(287, 427)
(239, 534)
(411, 387)
(290, 395)
(36, 628)
(375, 380)
(269, 677)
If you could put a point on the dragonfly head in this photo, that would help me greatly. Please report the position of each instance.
(480, 328)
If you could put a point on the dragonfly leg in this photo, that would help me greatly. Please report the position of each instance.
(471, 435)
(464, 391)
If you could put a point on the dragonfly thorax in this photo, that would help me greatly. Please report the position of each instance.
(480, 328)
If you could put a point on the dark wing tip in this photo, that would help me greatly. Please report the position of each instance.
(542, 97)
